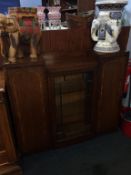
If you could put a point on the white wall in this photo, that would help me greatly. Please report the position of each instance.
(128, 13)
(30, 3)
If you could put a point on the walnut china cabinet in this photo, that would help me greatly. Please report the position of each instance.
(69, 94)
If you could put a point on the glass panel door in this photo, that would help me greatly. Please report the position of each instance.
(73, 96)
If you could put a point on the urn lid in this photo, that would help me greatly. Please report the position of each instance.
(111, 4)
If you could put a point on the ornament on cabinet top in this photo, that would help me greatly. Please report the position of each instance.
(41, 14)
(2, 36)
(28, 31)
(49, 17)
(107, 25)
(54, 16)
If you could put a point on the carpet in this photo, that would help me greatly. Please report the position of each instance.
(109, 154)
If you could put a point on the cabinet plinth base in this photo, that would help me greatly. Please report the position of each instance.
(10, 170)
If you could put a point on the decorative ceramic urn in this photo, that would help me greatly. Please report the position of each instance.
(107, 25)
(54, 16)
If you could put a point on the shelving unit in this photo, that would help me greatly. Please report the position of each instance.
(74, 7)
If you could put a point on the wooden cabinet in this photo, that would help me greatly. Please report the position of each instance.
(27, 87)
(8, 156)
(69, 94)
(65, 98)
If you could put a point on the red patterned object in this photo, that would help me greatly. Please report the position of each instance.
(126, 109)
(126, 122)
(27, 19)
(128, 73)
(22, 10)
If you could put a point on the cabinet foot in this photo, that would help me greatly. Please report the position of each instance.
(10, 170)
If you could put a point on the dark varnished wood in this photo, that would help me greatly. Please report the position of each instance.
(27, 87)
(109, 92)
(85, 5)
(8, 156)
(56, 63)
(10, 170)
(58, 67)
(31, 87)
(71, 40)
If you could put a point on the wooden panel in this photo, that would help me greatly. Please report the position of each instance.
(7, 136)
(1, 142)
(28, 96)
(123, 40)
(7, 149)
(110, 91)
(70, 40)
(85, 5)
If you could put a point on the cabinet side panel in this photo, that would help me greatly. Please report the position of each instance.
(28, 96)
(110, 91)
(7, 149)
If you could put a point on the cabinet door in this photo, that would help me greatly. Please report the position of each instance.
(27, 89)
(74, 106)
(110, 85)
(7, 150)
(3, 152)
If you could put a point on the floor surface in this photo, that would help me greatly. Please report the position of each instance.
(104, 155)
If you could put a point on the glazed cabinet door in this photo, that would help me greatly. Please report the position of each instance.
(27, 87)
(74, 119)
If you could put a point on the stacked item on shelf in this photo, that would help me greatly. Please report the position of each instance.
(26, 17)
(49, 17)
(41, 14)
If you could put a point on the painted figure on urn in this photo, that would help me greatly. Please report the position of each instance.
(107, 25)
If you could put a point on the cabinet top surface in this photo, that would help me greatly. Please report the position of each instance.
(59, 62)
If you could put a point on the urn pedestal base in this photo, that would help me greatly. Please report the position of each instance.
(106, 47)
